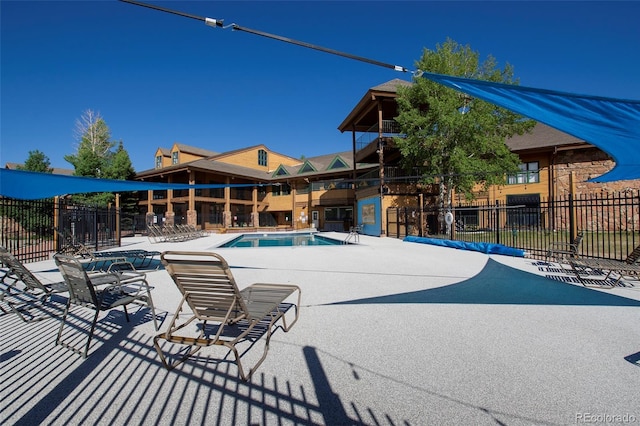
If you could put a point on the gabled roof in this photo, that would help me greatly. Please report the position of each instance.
(386, 92)
(314, 166)
(195, 150)
(281, 171)
(209, 166)
(249, 148)
(337, 163)
(165, 152)
(391, 86)
(307, 167)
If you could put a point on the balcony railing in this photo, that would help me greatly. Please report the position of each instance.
(390, 128)
(391, 175)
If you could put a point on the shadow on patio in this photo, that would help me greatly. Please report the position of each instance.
(498, 284)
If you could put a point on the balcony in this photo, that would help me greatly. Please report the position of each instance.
(390, 129)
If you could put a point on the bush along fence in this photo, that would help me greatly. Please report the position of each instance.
(610, 223)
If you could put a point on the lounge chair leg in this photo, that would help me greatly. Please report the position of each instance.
(62, 321)
(163, 358)
(153, 311)
(93, 327)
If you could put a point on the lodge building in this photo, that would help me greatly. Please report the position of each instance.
(270, 190)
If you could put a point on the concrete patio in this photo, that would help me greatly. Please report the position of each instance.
(390, 333)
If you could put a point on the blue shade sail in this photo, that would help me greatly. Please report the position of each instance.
(613, 125)
(27, 185)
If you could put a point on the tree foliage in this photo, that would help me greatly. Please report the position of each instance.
(95, 157)
(32, 216)
(37, 162)
(455, 140)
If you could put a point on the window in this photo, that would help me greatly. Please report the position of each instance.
(159, 162)
(280, 189)
(338, 163)
(529, 173)
(262, 157)
(281, 171)
(338, 213)
(174, 157)
(306, 168)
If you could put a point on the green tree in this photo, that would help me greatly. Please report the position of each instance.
(456, 141)
(32, 216)
(95, 157)
(120, 167)
(37, 162)
(94, 146)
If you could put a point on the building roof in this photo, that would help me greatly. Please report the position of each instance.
(365, 112)
(249, 148)
(56, 170)
(320, 165)
(195, 150)
(391, 86)
(542, 137)
(210, 166)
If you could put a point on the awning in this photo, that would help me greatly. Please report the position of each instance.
(33, 185)
(613, 125)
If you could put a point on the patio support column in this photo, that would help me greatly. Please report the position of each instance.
(226, 215)
(170, 215)
(192, 214)
(255, 216)
(354, 185)
(150, 215)
(383, 216)
(294, 223)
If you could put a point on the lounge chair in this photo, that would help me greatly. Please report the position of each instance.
(560, 251)
(21, 291)
(137, 259)
(629, 267)
(100, 292)
(223, 314)
(103, 260)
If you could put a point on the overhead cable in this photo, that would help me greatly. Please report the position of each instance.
(220, 24)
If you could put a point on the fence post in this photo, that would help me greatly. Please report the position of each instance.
(118, 217)
(96, 228)
(406, 221)
(497, 222)
(421, 209)
(56, 223)
(572, 211)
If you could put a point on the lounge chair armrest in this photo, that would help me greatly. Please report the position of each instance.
(117, 264)
(104, 279)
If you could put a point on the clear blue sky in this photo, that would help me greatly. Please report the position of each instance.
(158, 78)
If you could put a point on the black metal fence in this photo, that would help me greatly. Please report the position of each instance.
(609, 221)
(28, 227)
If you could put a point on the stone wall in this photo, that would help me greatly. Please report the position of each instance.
(586, 164)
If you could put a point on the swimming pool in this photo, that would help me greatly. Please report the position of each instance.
(282, 240)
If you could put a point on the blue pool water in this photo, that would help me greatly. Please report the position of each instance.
(281, 240)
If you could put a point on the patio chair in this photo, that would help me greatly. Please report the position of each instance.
(100, 292)
(22, 291)
(629, 267)
(221, 313)
(561, 250)
(91, 260)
